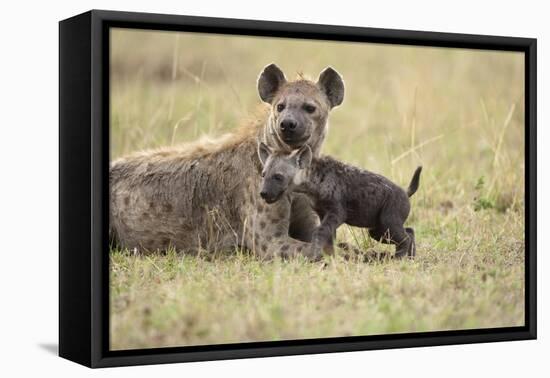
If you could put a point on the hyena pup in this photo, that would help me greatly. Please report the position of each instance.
(341, 194)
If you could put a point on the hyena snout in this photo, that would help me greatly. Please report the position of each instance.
(288, 126)
(266, 196)
(272, 189)
(292, 131)
(270, 195)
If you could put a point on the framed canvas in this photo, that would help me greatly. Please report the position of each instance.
(208, 211)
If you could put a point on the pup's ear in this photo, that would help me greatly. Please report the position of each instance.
(270, 81)
(263, 152)
(304, 156)
(332, 84)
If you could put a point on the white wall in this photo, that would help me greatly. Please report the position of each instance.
(28, 210)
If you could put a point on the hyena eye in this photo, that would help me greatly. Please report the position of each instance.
(280, 107)
(309, 108)
(278, 177)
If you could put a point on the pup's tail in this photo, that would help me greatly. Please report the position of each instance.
(413, 186)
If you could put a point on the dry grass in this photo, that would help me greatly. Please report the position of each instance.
(459, 113)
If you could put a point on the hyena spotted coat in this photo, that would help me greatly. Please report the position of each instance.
(205, 195)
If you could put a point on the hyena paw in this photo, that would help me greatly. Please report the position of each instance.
(315, 252)
(323, 244)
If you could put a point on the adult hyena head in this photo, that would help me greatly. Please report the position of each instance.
(300, 108)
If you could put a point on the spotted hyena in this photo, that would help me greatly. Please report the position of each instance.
(341, 194)
(205, 195)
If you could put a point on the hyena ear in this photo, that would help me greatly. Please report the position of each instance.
(304, 156)
(270, 82)
(263, 152)
(332, 84)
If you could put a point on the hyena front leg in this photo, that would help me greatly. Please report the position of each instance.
(267, 233)
(324, 235)
(303, 219)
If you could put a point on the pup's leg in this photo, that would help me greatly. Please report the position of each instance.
(393, 234)
(323, 236)
(303, 220)
(403, 241)
(390, 227)
(410, 231)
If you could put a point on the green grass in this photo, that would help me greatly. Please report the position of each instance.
(459, 113)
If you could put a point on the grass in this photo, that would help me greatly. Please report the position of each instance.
(459, 113)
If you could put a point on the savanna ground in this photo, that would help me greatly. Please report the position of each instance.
(459, 113)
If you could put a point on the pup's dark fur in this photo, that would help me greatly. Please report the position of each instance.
(341, 194)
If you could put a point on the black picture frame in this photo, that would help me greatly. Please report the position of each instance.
(83, 182)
